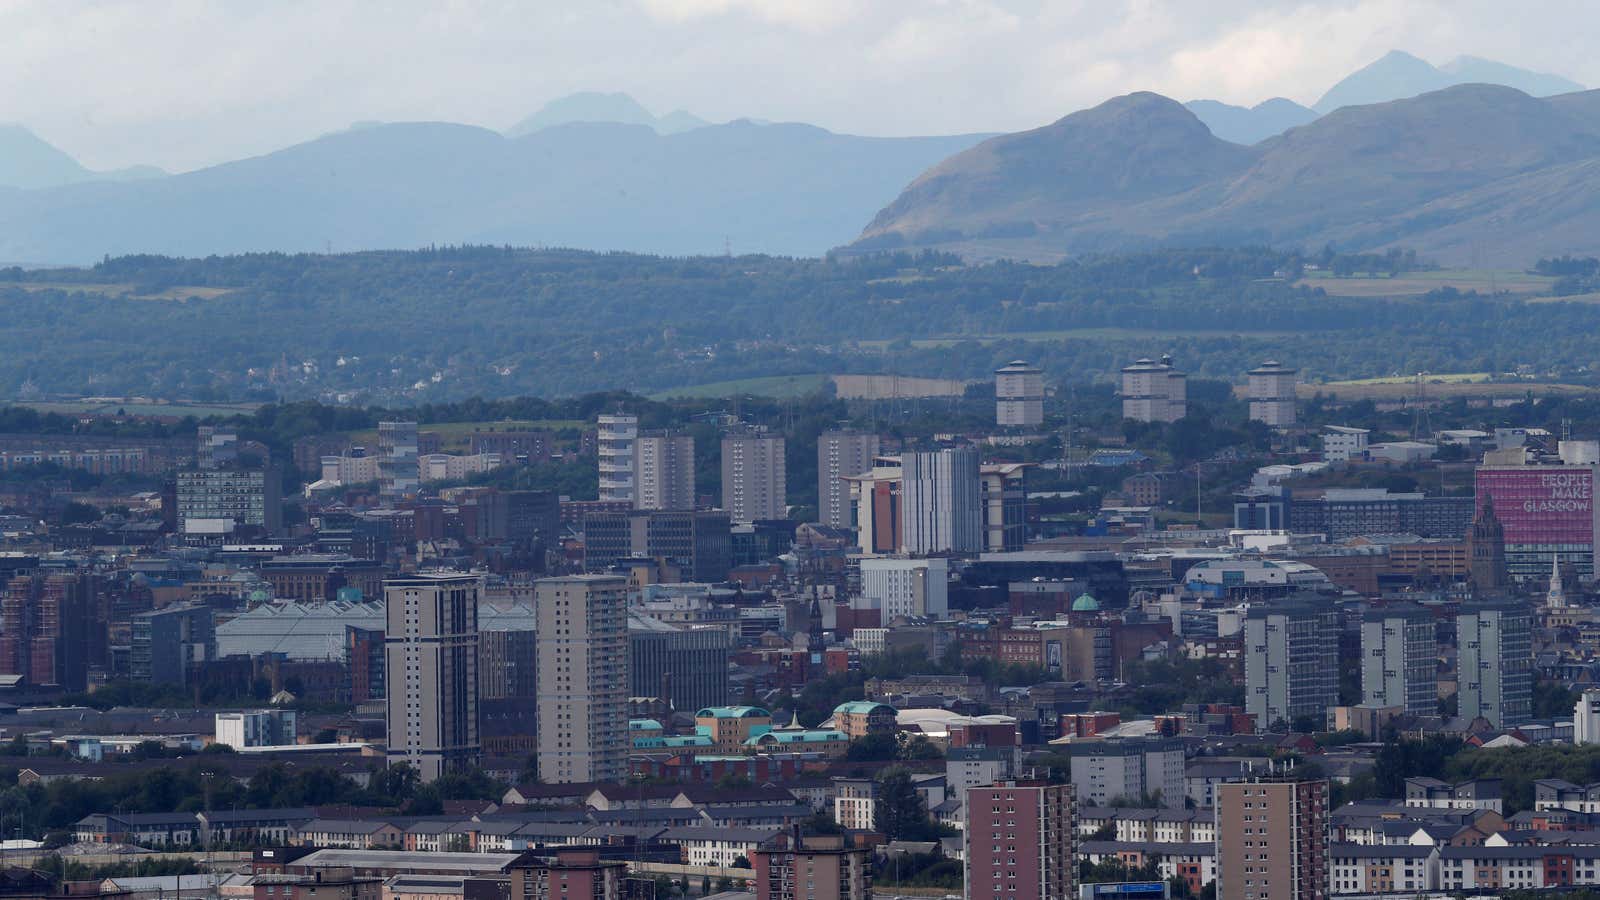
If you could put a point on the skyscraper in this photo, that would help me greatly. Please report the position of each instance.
(841, 454)
(1291, 649)
(1272, 840)
(431, 670)
(1154, 391)
(1494, 662)
(583, 678)
(1272, 393)
(754, 484)
(1399, 659)
(1019, 841)
(614, 446)
(1018, 395)
(941, 502)
(663, 471)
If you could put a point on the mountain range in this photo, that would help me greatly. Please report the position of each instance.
(601, 171)
(1396, 76)
(783, 189)
(1474, 173)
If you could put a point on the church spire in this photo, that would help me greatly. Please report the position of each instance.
(1556, 597)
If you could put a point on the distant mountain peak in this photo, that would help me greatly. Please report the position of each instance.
(1398, 75)
(1253, 124)
(597, 106)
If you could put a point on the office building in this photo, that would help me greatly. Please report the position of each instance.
(1020, 838)
(941, 502)
(905, 588)
(1400, 659)
(1343, 513)
(793, 866)
(583, 678)
(250, 499)
(841, 454)
(698, 544)
(1129, 771)
(614, 447)
(1291, 649)
(1272, 840)
(431, 670)
(319, 577)
(1494, 662)
(1004, 497)
(1261, 509)
(1154, 391)
(256, 728)
(1586, 718)
(167, 643)
(45, 628)
(216, 448)
(687, 667)
(398, 472)
(663, 471)
(1018, 395)
(1271, 390)
(754, 485)
(1545, 512)
(1341, 443)
(433, 467)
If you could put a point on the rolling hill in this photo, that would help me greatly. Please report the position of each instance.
(1472, 173)
(785, 189)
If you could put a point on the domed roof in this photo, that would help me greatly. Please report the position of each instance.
(1085, 603)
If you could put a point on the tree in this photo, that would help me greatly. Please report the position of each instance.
(877, 747)
(900, 811)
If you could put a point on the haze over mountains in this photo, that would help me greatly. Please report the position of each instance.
(28, 161)
(601, 171)
(1396, 76)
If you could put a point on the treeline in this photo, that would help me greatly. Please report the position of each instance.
(40, 809)
(494, 321)
(1573, 275)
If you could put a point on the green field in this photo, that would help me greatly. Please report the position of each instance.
(1415, 284)
(769, 386)
(1447, 378)
(1080, 334)
(111, 406)
(124, 291)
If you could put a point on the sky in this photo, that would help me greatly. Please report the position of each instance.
(187, 83)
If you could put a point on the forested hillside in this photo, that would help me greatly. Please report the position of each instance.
(458, 322)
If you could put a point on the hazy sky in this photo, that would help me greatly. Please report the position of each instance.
(187, 83)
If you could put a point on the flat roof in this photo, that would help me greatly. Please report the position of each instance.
(398, 859)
